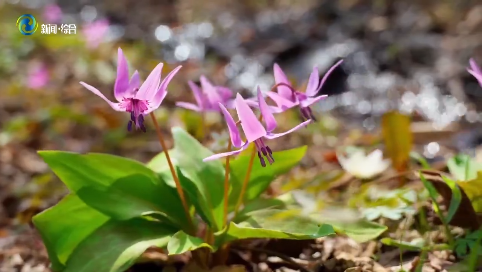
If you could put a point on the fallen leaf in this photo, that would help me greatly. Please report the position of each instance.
(398, 138)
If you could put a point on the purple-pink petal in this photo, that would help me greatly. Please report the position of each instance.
(121, 85)
(475, 67)
(252, 128)
(135, 81)
(113, 105)
(188, 106)
(281, 102)
(313, 82)
(161, 92)
(234, 133)
(277, 135)
(198, 95)
(148, 89)
(225, 154)
(210, 91)
(224, 92)
(327, 74)
(280, 77)
(268, 116)
(311, 100)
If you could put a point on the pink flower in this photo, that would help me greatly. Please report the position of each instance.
(38, 76)
(253, 129)
(138, 101)
(287, 97)
(52, 13)
(95, 32)
(208, 97)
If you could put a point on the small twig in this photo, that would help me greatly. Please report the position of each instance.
(285, 258)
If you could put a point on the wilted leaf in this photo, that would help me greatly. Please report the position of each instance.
(398, 138)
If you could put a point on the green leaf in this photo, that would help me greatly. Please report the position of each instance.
(182, 242)
(259, 204)
(361, 231)
(456, 198)
(261, 177)
(64, 226)
(463, 167)
(398, 138)
(78, 170)
(416, 245)
(115, 246)
(134, 196)
(207, 177)
(276, 224)
(348, 222)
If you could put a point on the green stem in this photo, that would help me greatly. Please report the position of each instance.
(173, 172)
(226, 186)
(245, 182)
(475, 252)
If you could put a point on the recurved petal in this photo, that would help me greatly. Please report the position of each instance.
(277, 135)
(225, 154)
(210, 91)
(198, 95)
(310, 101)
(266, 112)
(121, 85)
(475, 67)
(327, 74)
(281, 102)
(148, 89)
(280, 77)
(188, 106)
(234, 133)
(477, 76)
(161, 92)
(313, 82)
(113, 105)
(253, 129)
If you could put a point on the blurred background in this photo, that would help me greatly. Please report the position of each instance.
(409, 56)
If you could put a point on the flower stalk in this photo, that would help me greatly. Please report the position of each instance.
(226, 185)
(173, 171)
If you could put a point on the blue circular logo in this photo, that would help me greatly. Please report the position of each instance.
(26, 24)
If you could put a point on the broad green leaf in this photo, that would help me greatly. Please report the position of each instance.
(463, 167)
(259, 204)
(261, 177)
(207, 177)
(182, 242)
(134, 196)
(159, 165)
(78, 170)
(116, 246)
(348, 222)
(64, 226)
(361, 231)
(398, 138)
(276, 224)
